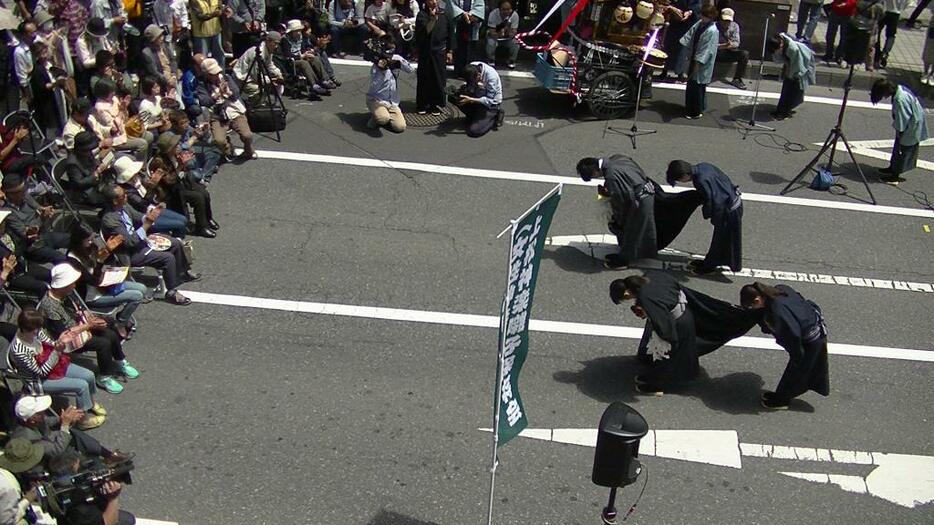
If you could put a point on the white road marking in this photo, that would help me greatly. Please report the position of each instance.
(765, 95)
(573, 181)
(600, 245)
(869, 148)
(903, 479)
(536, 325)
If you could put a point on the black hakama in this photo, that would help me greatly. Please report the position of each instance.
(672, 213)
(670, 319)
(632, 199)
(432, 39)
(798, 327)
(723, 207)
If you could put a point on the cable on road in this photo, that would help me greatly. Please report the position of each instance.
(645, 477)
(780, 142)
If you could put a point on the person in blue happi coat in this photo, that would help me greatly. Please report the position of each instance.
(697, 60)
(910, 128)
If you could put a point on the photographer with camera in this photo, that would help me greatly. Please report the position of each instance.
(382, 99)
(18, 458)
(502, 25)
(101, 504)
(480, 99)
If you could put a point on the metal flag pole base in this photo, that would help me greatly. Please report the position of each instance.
(835, 135)
(752, 125)
(633, 131)
(609, 513)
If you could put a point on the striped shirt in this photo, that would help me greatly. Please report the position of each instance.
(23, 355)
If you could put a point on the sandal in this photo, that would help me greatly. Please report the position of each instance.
(177, 299)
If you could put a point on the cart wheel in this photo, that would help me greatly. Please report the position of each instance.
(611, 95)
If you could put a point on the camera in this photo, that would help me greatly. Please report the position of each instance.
(58, 495)
(454, 94)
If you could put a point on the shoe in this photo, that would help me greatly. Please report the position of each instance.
(886, 172)
(129, 371)
(422, 112)
(698, 268)
(884, 61)
(318, 90)
(778, 116)
(110, 384)
(371, 124)
(772, 402)
(205, 232)
(329, 84)
(682, 79)
(613, 262)
(738, 83)
(191, 277)
(177, 299)
(512, 65)
(116, 457)
(98, 409)
(89, 422)
(341, 54)
(335, 82)
(644, 387)
(694, 117)
(500, 116)
(213, 224)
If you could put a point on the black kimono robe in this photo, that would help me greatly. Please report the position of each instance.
(668, 317)
(798, 327)
(433, 40)
(723, 207)
(633, 203)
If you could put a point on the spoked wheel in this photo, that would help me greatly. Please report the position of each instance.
(611, 95)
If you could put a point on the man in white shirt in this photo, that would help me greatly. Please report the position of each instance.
(502, 25)
(248, 72)
(22, 57)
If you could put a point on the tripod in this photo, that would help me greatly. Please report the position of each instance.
(634, 131)
(752, 124)
(836, 134)
(269, 95)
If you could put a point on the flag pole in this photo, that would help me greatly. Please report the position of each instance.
(512, 223)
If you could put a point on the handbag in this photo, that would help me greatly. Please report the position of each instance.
(58, 371)
(265, 119)
(822, 181)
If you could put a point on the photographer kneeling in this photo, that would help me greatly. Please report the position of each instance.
(480, 99)
(105, 505)
(382, 99)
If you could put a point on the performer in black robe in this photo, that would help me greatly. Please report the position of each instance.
(672, 212)
(433, 41)
(722, 206)
(631, 196)
(798, 326)
(694, 324)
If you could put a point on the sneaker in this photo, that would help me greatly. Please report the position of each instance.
(512, 65)
(110, 384)
(335, 82)
(772, 402)
(129, 371)
(89, 422)
(422, 112)
(694, 117)
(98, 409)
(319, 90)
(329, 84)
(738, 83)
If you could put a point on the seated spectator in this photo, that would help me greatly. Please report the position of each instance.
(62, 315)
(481, 99)
(158, 60)
(106, 68)
(248, 72)
(196, 140)
(191, 79)
(150, 106)
(20, 457)
(111, 119)
(143, 197)
(179, 189)
(84, 169)
(728, 51)
(121, 219)
(299, 48)
(346, 18)
(37, 424)
(16, 272)
(382, 99)
(376, 17)
(43, 359)
(219, 93)
(402, 14)
(13, 137)
(104, 508)
(87, 258)
(81, 120)
(31, 224)
(95, 38)
(322, 40)
(48, 94)
(502, 26)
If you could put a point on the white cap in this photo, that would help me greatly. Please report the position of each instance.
(29, 406)
(726, 14)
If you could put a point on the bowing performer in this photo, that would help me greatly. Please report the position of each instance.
(798, 72)
(910, 128)
(688, 323)
(630, 194)
(722, 205)
(798, 326)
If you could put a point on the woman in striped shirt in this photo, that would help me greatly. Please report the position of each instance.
(24, 356)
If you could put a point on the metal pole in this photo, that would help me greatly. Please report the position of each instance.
(755, 100)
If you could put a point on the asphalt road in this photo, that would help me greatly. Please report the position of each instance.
(255, 416)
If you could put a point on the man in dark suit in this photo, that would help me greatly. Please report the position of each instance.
(30, 224)
(120, 219)
(85, 170)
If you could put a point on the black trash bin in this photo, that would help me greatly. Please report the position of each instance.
(621, 430)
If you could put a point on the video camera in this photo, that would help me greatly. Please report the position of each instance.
(58, 495)
(376, 49)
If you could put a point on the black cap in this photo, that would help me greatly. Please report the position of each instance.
(86, 141)
(82, 105)
(12, 180)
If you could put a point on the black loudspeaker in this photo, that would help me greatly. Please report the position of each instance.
(856, 45)
(621, 429)
(751, 15)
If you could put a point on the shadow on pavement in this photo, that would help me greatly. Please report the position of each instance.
(385, 517)
(763, 177)
(573, 260)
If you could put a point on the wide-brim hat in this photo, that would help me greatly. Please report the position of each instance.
(167, 141)
(153, 32)
(86, 141)
(42, 17)
(273, 36)
(96, 27)
(126, 168)
(19, 455)
(4, 214)
(293, 25)
(211, 67)
(64, 275)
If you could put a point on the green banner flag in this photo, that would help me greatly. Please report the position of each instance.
(528, 241)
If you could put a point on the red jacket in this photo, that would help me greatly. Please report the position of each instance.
(845, 8)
